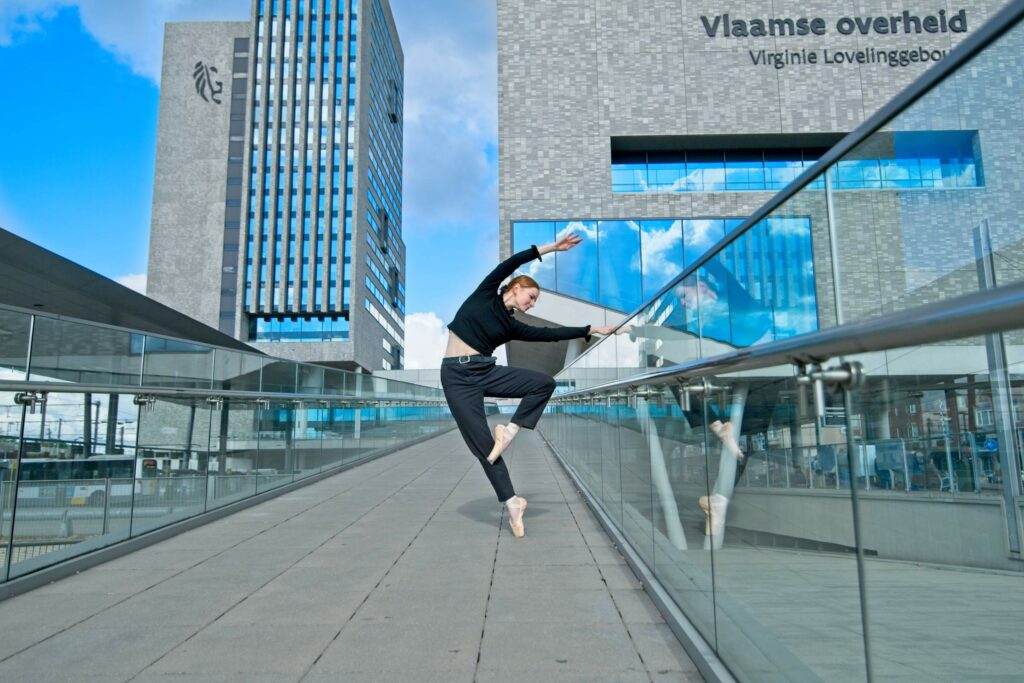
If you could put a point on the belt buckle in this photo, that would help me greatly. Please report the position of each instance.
(464, 359)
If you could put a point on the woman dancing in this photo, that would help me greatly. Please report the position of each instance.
(469, 373)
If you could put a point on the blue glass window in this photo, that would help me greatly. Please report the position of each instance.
(665, 172)
(699, 235)
(298, 329)
(619, 276)
(661, 254)
(539, 233)
(781, 167)
(900, 160)
(705, 172)
(577, 269)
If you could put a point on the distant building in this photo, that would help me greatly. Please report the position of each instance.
(277, 203)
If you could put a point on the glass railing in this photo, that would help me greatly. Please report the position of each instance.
(840, 501)
(107, 433)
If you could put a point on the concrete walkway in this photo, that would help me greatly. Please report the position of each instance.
(401, 569)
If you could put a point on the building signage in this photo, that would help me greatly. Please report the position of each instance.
(201, 74)
(728, 26)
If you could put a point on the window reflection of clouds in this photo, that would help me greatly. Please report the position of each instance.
(762, 285)
(539, 233)
(661, 253)
(619, 265)
(699, 235)
(577, 269)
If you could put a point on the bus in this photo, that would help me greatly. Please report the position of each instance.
(83, 481)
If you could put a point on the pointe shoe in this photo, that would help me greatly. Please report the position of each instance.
(714, 513)
(517, 504)
(500, 443)
(724, 433)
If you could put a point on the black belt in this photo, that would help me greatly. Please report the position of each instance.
(462, 360)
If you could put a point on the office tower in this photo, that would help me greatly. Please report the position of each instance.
(277, 207)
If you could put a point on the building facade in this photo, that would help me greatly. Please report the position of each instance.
(653, 128)
(277, 207)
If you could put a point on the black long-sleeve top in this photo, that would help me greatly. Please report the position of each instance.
(485, 323)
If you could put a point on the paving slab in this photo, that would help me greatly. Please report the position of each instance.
(401, 569)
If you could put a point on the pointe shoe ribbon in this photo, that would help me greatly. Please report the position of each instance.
(501, 442)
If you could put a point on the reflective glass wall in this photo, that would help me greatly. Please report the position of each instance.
(107, 433)
(619, 264)
(878, 535)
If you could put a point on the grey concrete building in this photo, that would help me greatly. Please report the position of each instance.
(641, 123)
(277, 207)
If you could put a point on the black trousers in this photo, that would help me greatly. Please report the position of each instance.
(465, 386)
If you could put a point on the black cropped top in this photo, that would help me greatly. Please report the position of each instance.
(485, 323)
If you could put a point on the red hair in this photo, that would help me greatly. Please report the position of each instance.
(524, 280)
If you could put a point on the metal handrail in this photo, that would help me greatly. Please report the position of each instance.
(989, 32)
(988, 312)
(190, 393)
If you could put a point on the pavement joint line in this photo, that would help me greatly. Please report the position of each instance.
(189, 568)
(597, 565)
(328, 540)
(490, 587)
(397, 559)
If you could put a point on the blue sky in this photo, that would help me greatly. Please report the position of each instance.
(78, 137)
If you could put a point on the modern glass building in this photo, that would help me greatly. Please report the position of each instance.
(807, 435)
(652, 131)
(277, 211)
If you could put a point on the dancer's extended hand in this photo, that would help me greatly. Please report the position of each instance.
(603, 331)
(564, 244)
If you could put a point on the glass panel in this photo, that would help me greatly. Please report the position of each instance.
(577, 268)
(75, 352)
(666, 172)
(699, 235)
(665, 333)
(800, 619)
(307, 432)
(705, 172)
(629, 177)
(172, 464)
(744, 171)
(311, 379)
(171, 363)
(661, 249)
(619, 264)
(526, 234)
(609, 424)
(237, 371)
(233, 448)
(279, 376)
(937, 433)
(679, 472)
(74, 490)
(789, 275)
(635, 473)
(14, 329)
(781, 167)
(277, 459)
(335, 382)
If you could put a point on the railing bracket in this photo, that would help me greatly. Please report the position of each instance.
(847, 375)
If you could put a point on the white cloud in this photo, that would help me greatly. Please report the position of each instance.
(136, 281)
(451, 116)
(425, 339)
(19, 17)
(131, 30)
